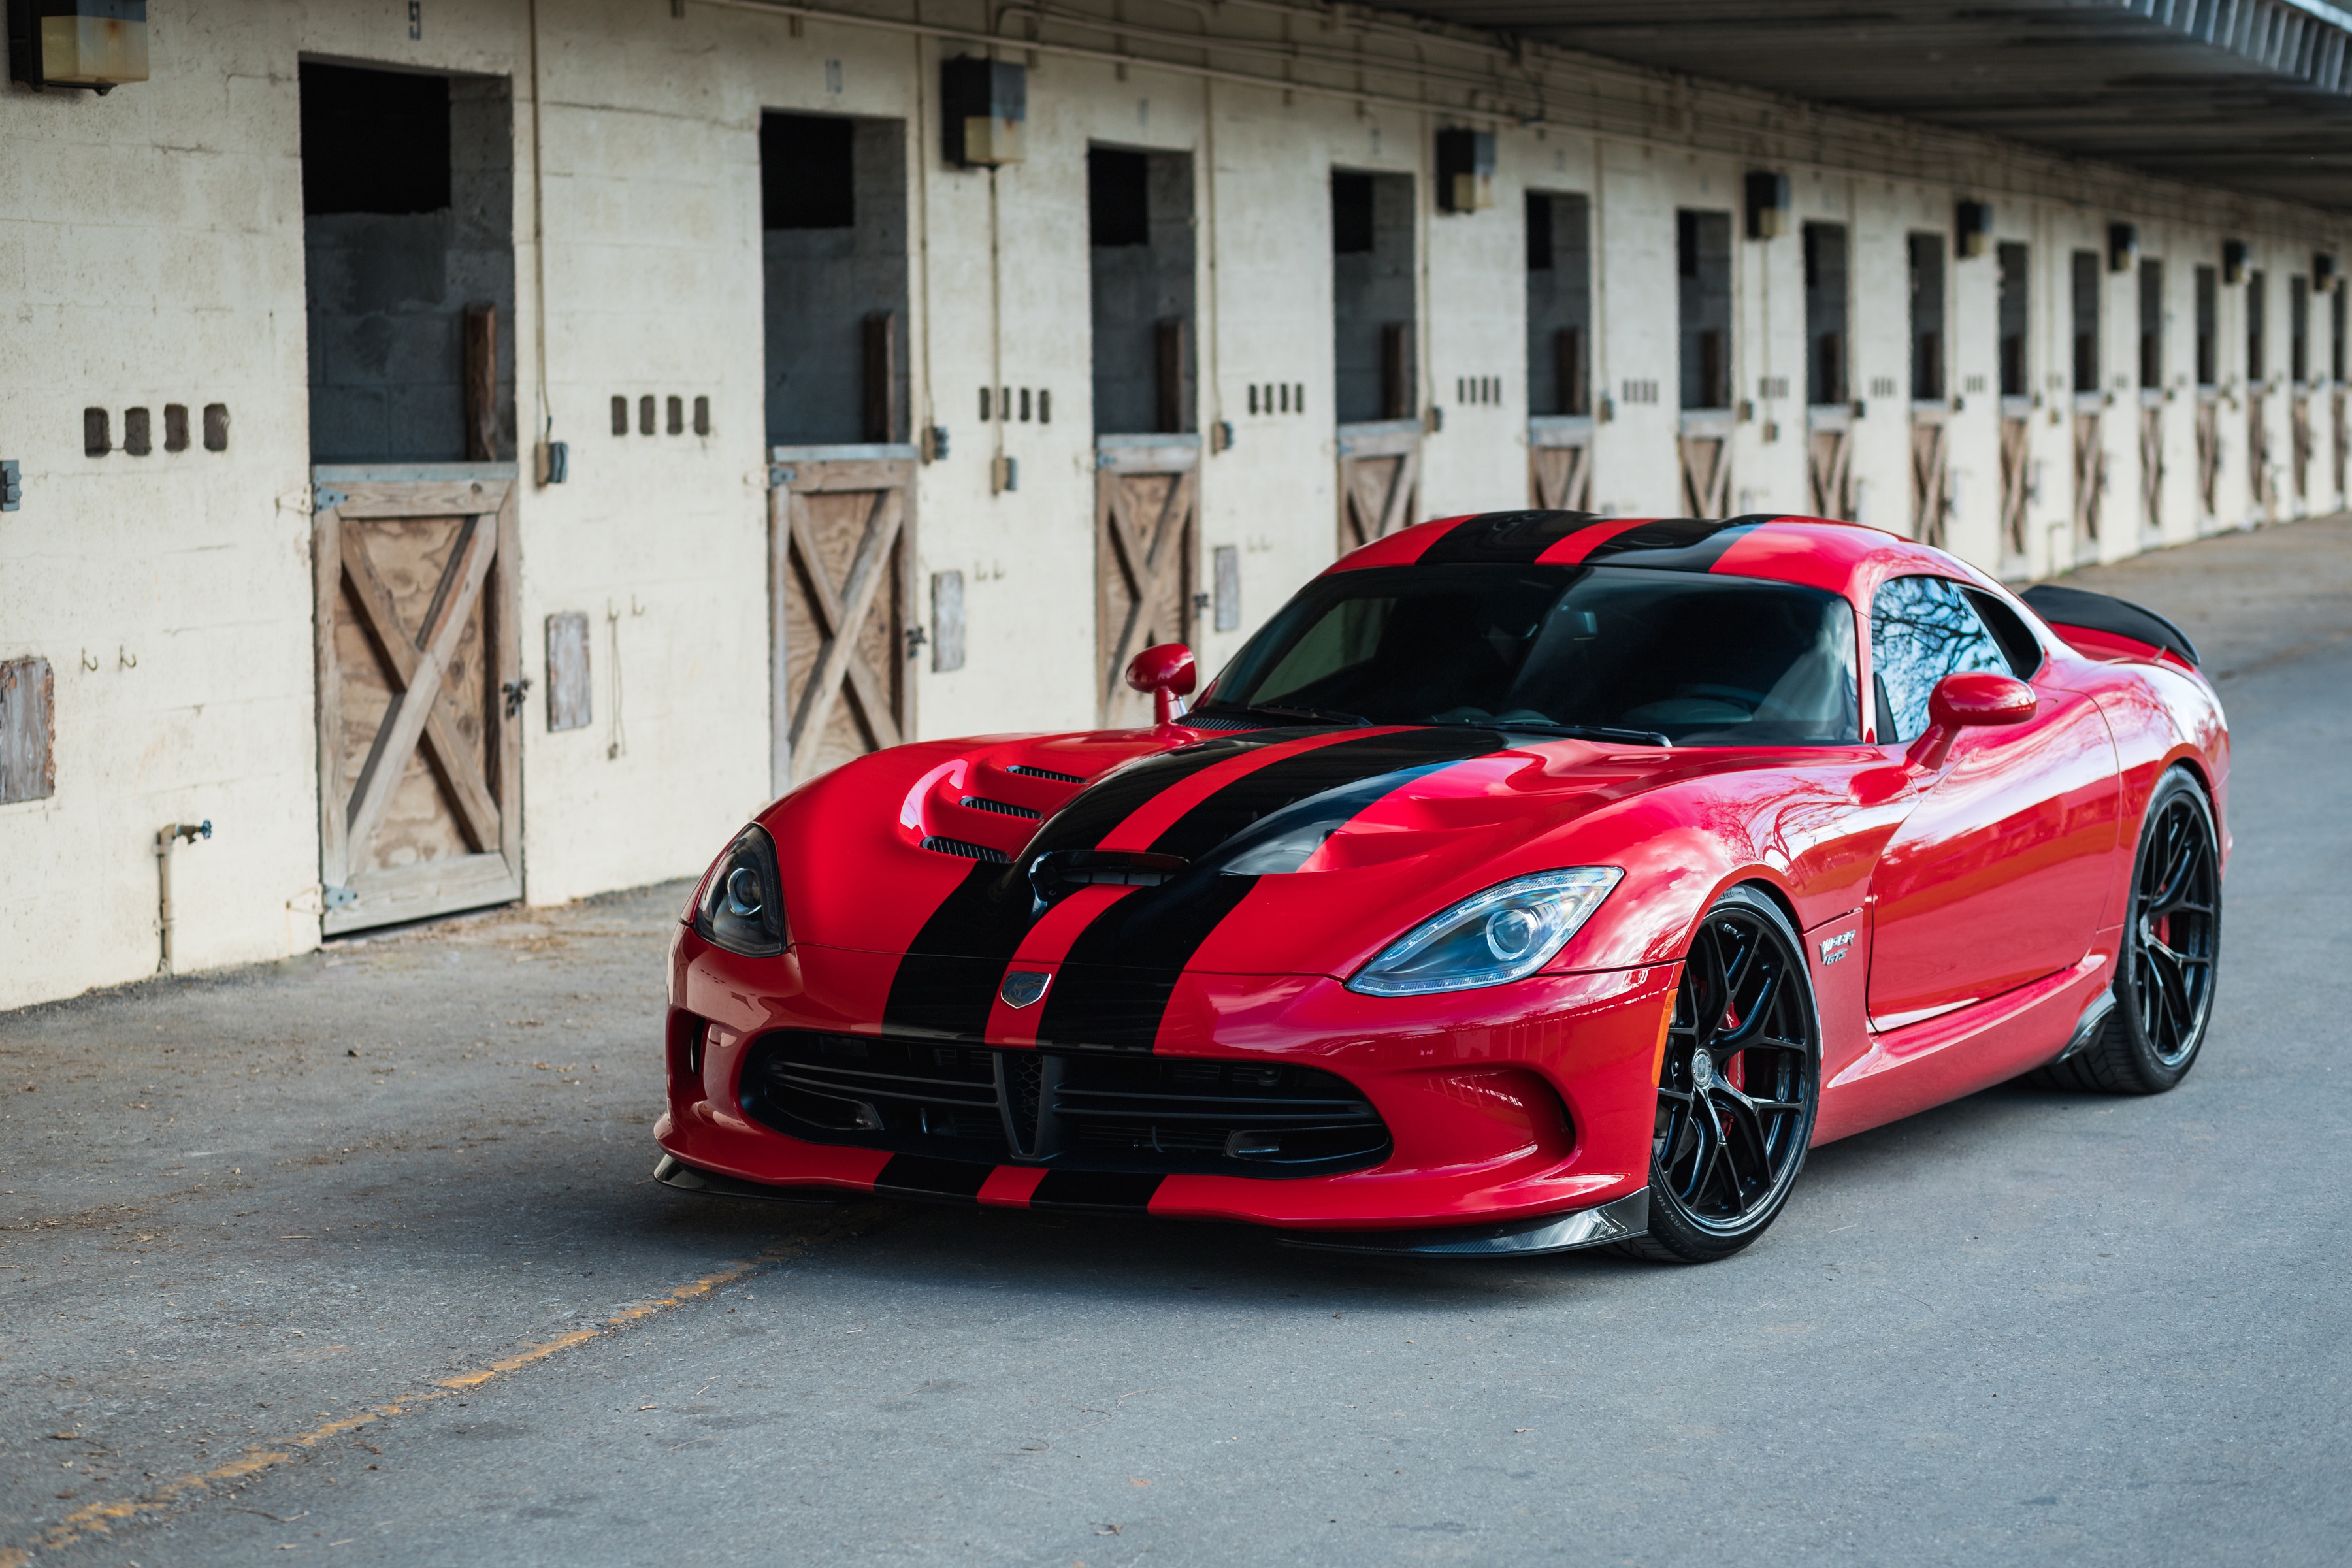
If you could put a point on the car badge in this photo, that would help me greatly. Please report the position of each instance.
(1835, 947)
(1024, 986)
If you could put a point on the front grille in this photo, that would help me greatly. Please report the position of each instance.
(1070, 1111)
(1001, 808)
(969, 851)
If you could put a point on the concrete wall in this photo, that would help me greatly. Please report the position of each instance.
(152, 251)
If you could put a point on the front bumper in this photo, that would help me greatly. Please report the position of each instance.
(1532, 1102)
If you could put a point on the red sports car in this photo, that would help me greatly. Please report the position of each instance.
(1532, 881)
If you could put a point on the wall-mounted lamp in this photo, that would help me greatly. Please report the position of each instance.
(96, 44)
(983, 104)
(1971, 228)
(1465, 171)
(2122, 247)
(1768, 205)
(2233, 261)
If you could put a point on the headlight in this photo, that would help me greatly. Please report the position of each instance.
(742, 907)
(1507, 933)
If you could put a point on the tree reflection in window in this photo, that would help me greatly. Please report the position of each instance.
(1921, 630)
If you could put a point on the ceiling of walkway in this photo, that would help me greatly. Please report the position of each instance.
(2249, 94)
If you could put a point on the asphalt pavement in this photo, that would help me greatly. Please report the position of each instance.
(354, 1258)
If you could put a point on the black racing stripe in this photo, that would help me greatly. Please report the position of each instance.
(1116, 980)
(1124, 1190)
(1505, 538)
(1114, 986)
(1086, 818)
(926, 1177)
(1285, 782)
(947, 982)
(1679, 544)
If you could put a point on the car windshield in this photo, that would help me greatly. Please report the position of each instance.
(1699, 660)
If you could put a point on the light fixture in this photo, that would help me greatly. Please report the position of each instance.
(95, 44)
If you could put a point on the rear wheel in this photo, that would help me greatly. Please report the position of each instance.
(2170, 954)
(1737, 1087)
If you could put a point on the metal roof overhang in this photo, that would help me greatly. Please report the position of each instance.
(2249, 95)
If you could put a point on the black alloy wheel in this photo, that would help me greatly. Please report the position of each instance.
(2172, 952)
(1738, 1089)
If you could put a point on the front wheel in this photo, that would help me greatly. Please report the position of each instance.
(2170, 954)
(1737, 1087)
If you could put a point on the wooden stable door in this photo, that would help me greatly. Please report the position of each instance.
(1147, 528)
(2016, 478)
(2151, 468)
(420, 690)
(1560, 463)
(2209, 459)
(2090, 476)
(840, 560)
(1829, 462)
(1703, 452)
(1379, 479)
(1931, 472)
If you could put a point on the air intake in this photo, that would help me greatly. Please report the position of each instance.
(938, 845)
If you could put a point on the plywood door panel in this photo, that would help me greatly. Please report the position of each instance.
(1379, 480)
(1930, 478)
(2016, 447)
(419, 670)
(2209, 459)
(1706, 475)
(1828, 466)
(2299, 445)
(1147, 511)
(2090, 477)
(840, 548)
(1561, 477)
(2151, 469)
(2258, 451)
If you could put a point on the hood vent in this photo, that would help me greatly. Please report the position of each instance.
(1027, 772)
(1001, 808)
(938, 845)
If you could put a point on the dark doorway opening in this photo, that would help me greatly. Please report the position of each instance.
(833, 202)
(409, 264)
(1826, 314)
(1703, 261)
(1373, 303)
(2151, 325)
(2085, 280)
(2208, 327)
(2016, 320)
(1926, 252)
(2258, 326)
(1559, 304)
(2298, 329)
(1140, 233)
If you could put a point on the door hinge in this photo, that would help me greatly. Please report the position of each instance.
(779, 476)
(335, 897)
(326, 498)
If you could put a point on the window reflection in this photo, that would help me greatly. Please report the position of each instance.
(1921, 630)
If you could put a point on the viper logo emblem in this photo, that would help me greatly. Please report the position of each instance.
(1835, 947)
(1024, 986)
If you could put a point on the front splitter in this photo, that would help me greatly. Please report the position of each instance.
(1619, 1220)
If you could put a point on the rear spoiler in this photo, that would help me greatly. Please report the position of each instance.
(2109, 620)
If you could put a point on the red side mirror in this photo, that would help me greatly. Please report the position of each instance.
(1972, 698)
(1167, 671)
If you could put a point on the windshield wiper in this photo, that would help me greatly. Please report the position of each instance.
(1566, 732)
(1313, 715)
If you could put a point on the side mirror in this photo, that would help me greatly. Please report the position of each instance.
(1972, 698)
(1167, 671)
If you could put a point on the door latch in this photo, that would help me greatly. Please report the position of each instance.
(514, 690)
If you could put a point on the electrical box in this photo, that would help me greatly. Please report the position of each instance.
(2233, 261)
(2324, 275)
(1768, 205)
(1971, 228)
(982, 106)
(95, 44)
(1465, 171)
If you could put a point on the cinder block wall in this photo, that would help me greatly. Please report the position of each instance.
(152, 253)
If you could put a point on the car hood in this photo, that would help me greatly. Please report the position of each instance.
(1277, 851)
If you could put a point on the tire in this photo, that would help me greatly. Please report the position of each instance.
(1723, 1156)
(2170, 956)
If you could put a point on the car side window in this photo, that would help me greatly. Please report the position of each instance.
(2009, 630)
(1921, 630)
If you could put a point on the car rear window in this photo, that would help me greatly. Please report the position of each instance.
(1701, 660)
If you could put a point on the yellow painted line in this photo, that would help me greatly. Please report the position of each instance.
(101, 1518)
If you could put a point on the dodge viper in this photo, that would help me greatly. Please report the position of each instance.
(1530, 881)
